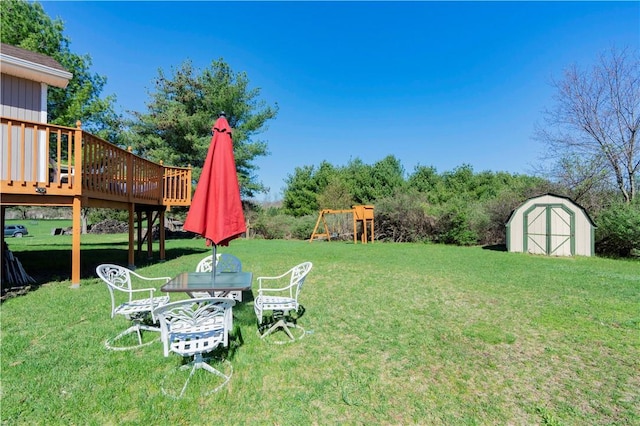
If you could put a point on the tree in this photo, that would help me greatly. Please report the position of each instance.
(585, 181)
(459, 182)
(360, 182)
(596, 118)
(300, 197)
(335, 195)
(324, 174)
(25, 24)
(388, 176)
(424, 178)
(176, 129)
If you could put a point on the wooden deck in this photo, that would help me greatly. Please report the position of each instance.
(43, 164)
(49, 165)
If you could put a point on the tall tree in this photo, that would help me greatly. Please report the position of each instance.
(424, 178)
(25, 24)
(360, 181)
(388, 176)
(596, 118)
(176, 129)
(301, 195)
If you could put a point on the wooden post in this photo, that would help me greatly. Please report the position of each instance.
(355, 225)
(75, 245)
(314, 233)
(130, 175)
(131, 264)
(367, 215)
(139, 222)
(324, 222)
(357, 217)
(74, 180)
(2, 218)
(149, 234)
(162, 235)
(363, 214)
(321, 218)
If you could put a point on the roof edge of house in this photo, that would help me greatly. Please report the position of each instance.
(18, 65)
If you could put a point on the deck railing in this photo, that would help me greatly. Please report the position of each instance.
(39, 158)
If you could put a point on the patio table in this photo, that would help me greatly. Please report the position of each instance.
(224, 282)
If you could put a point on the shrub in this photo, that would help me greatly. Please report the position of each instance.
(302, 227)
(271, 226)
(618, 231)
(100, 215)
(498, 210)
(402, 218)
(454, 227)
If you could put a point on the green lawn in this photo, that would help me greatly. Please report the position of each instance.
(397, 334)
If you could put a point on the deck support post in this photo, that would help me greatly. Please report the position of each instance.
(131, 264)
(75, 242)
(162, 234)
(149, 234)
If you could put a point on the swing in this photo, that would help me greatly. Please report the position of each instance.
(361, 215)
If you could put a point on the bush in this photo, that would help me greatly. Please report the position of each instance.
(302, 227)
(498, 211)
(479, 223)
(100, 215)
(618, 231)
(272, 226)
(402, 218)
(454, 227)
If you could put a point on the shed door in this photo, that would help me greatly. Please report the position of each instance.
(549, 229)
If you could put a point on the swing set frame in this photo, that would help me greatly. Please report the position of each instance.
(361, 214)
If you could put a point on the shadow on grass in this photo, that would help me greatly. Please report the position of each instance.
(243, 313)
(55, 265)
(290, 318)
(495, 247)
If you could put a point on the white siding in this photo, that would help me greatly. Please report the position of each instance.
(22, 99)
(543, 225)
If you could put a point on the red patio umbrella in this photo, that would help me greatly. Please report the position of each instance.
(216, 208)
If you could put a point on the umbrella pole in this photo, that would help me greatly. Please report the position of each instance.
(214, 263)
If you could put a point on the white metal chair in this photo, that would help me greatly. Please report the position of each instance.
(279, 295)
(225, 263)
(193, 327)
(135, 304)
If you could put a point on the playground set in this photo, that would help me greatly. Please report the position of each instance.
(363, 228)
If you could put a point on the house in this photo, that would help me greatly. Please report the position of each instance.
(49, 165)
(24, 81)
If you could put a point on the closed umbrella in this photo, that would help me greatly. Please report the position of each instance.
(216, 208)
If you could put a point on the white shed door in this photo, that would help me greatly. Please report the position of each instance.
(549, 230)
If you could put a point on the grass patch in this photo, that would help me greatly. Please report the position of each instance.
(40, 227)
(396, 334)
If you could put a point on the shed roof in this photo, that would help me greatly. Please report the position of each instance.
(558, 196)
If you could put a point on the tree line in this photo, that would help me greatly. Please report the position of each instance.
(461, 206)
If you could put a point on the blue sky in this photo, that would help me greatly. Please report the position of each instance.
(433, 83)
